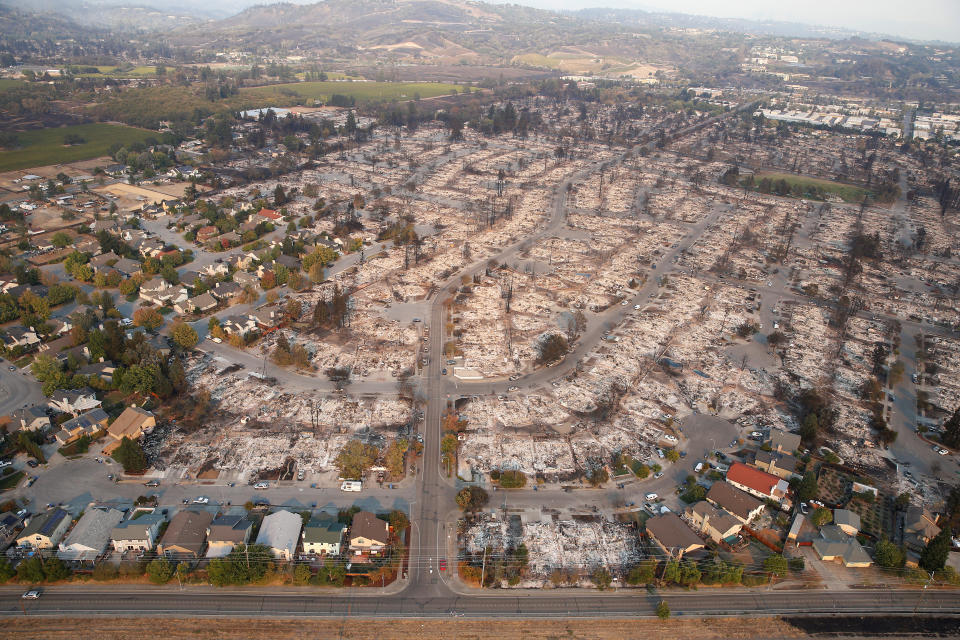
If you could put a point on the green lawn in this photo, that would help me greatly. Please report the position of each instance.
(298, 92)
(42, 147)
(848, 192)
(10, 83)
(11, 481)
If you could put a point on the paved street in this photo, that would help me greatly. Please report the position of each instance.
(314, 603)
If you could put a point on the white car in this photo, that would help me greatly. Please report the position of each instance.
(636, 307)
(624, 303)
(670, 438)
(33, 594)
(942, 452)
(201, 500)
(262, 485)
(756, 434)
(650, 497)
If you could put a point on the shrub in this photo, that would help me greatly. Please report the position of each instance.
(512, 479)
(159, 570)
(663, 610)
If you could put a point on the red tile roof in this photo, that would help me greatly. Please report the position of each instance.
(755, 479)
(269, 213)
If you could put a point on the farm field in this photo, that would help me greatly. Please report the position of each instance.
(293, 93)
(42, 147)
(118, 72)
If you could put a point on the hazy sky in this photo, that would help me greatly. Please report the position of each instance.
(917, 19)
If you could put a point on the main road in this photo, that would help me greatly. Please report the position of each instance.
(309, 602)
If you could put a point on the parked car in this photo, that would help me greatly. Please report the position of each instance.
(201, 500)
(650, 497)
(698, 468)
(33, 594)
(152, 483)
(658, 475)
(32, 463)
(262, 485)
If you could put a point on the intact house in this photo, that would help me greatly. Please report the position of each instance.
(847, 521)
(780, 465)
(245, 279)
(270, 214)
(759, 483)
(225, 533)
(323, 537)
(266, 318)
(30, 418)
(226, 290)
(215, 269)
(103, 370)
(160, 292)
(834, 544)
(139, 534)
(281, 532)
(368, 534)
(672, 536)
(90, 537)
(739, 504)
(73, 401)
(103, 261)
(198, 304)
(132, 423)
(186, 535)
(86, 424)
(19, 337)
(919, 527)
(784, 441)
(239, 325)
(45, 530)
(714, 522)
(127, 267)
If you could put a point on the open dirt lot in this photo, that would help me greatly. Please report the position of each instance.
(123, 628)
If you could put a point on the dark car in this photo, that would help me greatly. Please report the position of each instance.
(32, 464)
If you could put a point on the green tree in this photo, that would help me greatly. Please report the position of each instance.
(184, 335)
(6, 570)
(889, 555)
(60, 240)
(821, 516)
(398, 520)
(643, 573)
(302, 574)
(159, 570)
(551, 347)
(807, 488)
(54, 569)
(31, 570)
(776, 564)
(355, 458)
(148, 318)
(601, 578)
(951, 430)
(663, 610)
(934, 555)
(130, 454)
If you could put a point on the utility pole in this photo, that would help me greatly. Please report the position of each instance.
(483, 571)
(923, 592)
